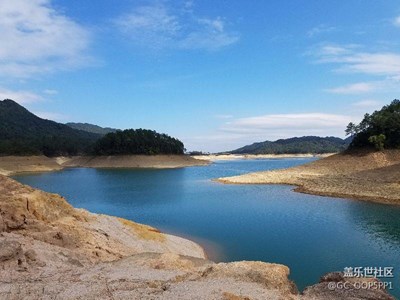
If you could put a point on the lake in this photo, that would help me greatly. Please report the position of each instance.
(312, 235)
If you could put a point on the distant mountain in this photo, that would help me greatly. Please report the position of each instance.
(23, 133)
(91, 128)
(296, 145)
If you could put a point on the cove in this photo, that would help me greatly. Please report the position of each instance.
(312, 235)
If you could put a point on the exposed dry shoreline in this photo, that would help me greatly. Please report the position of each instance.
(371, 176)
(135, 161)
(10, 165)
(216, 157)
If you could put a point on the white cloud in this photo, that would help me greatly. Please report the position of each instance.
(150, 25)
(22, 97)
(307, 122)
(350, 60)
(50, 92)
(355, 88)
(51, 116)
(317, 30)
(236, 133)
(158, 26)
(210, 35)
(38, 39)
(372, 63)
(396, 22)
(188, 4)
(216, 25)
(333, 50)
(330, 53)
(367, 104)
(223, 116)
(217, 142)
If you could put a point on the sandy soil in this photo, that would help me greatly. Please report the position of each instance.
(372, 176)
(15, 164)
(216, 157)
(18, 164)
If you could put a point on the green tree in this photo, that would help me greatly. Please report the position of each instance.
(351, 129)
(139, 141)
(381, 128)
(378, 141)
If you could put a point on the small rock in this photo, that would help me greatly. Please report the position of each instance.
(75, 262)
(333, 276)
(9, 250)
(31, 255)
(3, 226)
(331, 286)
(21, 265)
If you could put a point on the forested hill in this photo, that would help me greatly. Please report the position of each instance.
(296, 145)
(91, 128)
(23, 133)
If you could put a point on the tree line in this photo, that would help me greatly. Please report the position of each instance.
(137, 141)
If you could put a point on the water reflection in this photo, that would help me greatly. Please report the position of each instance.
(381, 222)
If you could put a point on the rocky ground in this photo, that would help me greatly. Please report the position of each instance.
(372, 176)
(50, 250)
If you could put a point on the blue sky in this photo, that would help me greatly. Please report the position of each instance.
(216, 74)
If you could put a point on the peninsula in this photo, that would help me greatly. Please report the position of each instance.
(368, 175)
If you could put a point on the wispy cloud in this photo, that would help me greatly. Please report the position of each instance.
(353, 59)
(372, 63)
(210, 35)
(22, 97)
(39, 39)
(396, 21)
(223, 116)
(306, 122)
(317, 30)
(235, 133)
(51, 116)
(158, 26)
(150, 25)
(367, 104)
(27, 97)
(355, 88)
(330, 52)
(50, 92)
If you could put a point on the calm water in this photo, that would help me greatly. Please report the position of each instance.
(311, 234)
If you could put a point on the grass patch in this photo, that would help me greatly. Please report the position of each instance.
(144, 231)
